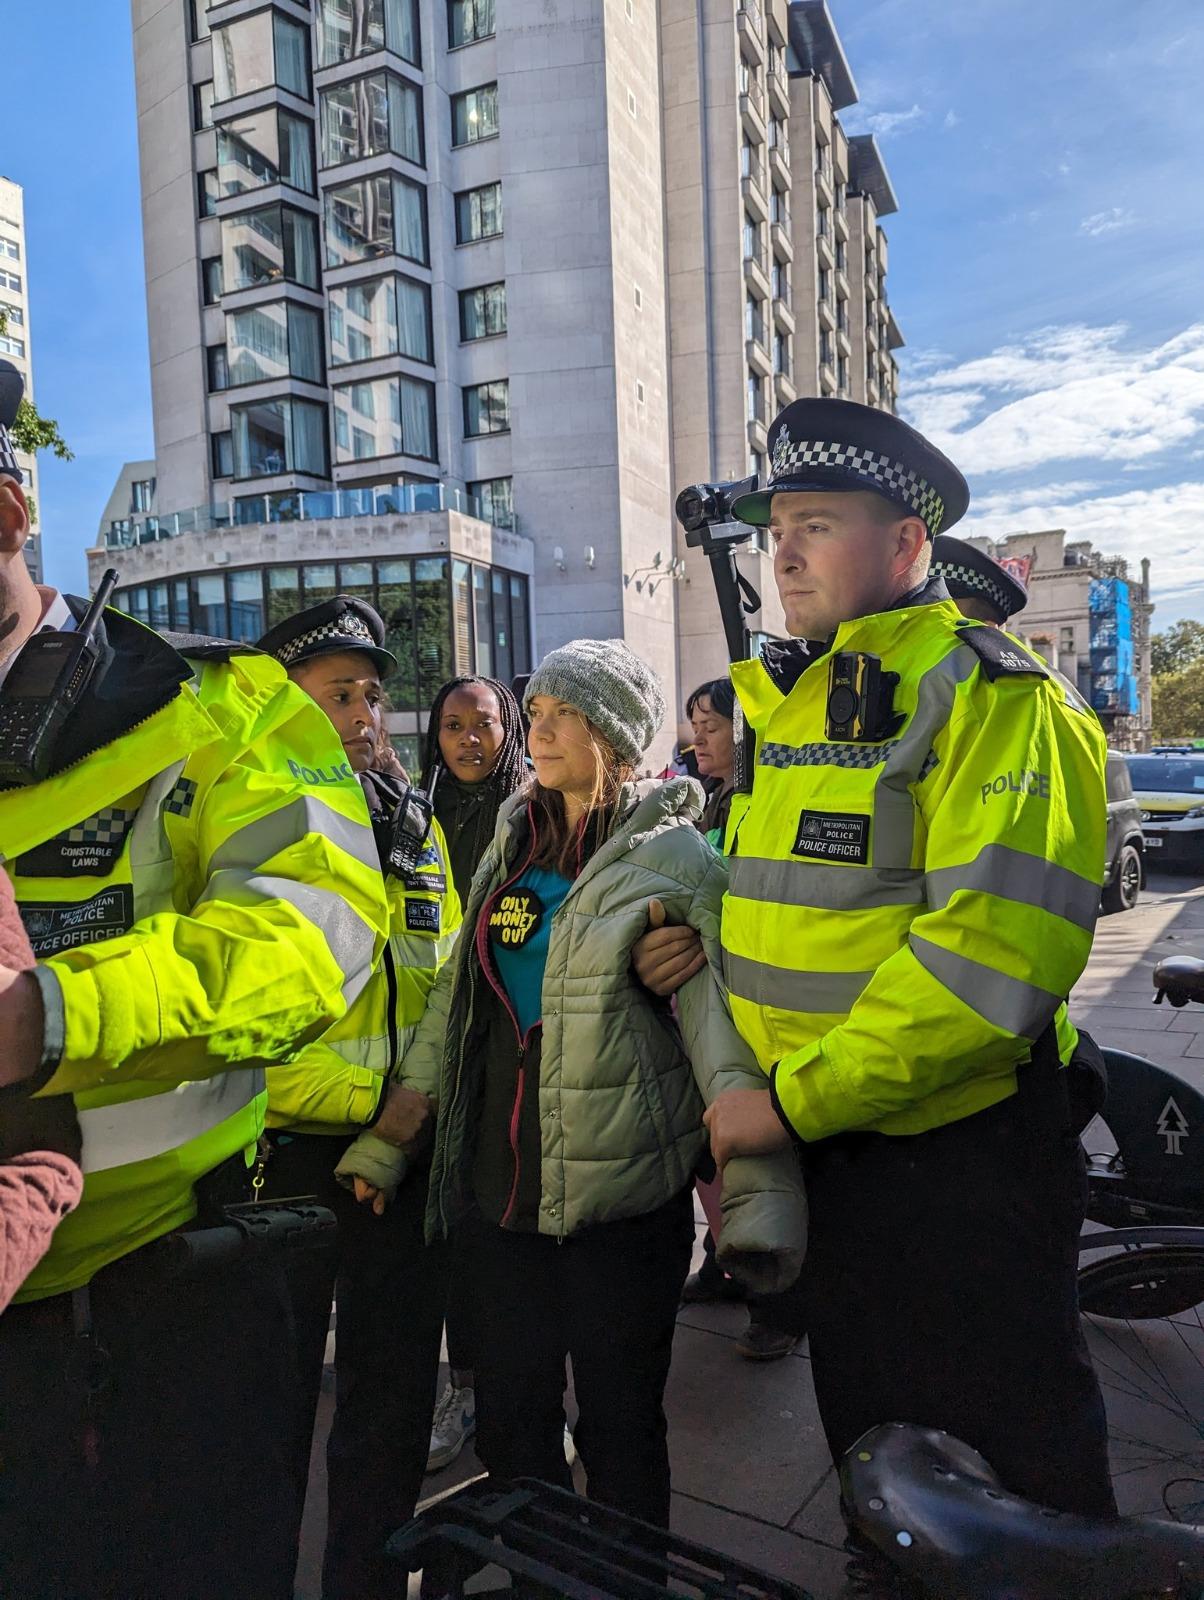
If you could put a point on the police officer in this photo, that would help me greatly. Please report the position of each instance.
(980, 587)
(915, 869)
(198, 878)
(391, 1288)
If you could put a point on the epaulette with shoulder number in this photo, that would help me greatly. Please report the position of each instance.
(1001, 656)
(200, 647)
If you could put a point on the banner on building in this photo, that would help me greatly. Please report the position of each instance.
(1017, 567)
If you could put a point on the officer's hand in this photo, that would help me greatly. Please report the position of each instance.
(742, 1122)
(21, 1026)
(368, 1194)
(665, 958)
(406, 1117)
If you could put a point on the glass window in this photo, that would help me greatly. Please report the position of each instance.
(479, 213)
(519, 623)
(198, 20)
(259, 51)
(274, 436)
(209, 604)
(371, 116)
(468, 20)
(503, 655)
(376, 217)
(267, 245)
(207, 192)
(482, 620)
(355, 577)
(246, 603)
(11, 249)
(223, 454)
(10, 280)
(363, 321)
(432, 626)
(487, 408)
(384, 417)
(284, 594)
(217, 367)
(474, 115)
(281, 340)
(350, 28)
(181, 612)
(495, 498)
(142, 494)
(211, 279)
(270, 146)
(319, 582)
(395, 602)
(202, 105)
(483, 311)
(13, 347)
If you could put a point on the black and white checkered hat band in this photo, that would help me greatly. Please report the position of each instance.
(8, 459)
(896, 481)
(344, 628)
(970, 578)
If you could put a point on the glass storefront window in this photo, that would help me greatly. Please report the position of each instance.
(159, 611)
(376, 217)
(275, 436)
(274, 341)
(519, 623)
(503, 655)
(380, 317)
(350, 28)
(370, 116)
(319, 582)
(269, 245)
(270, 146)
(284, 594)
(209, 604)
(461, 598)
(482, 620)
(395, 602)
(384, 417)
(246, 603)
(260, 51)
(432, 626)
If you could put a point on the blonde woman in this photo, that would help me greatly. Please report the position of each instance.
(570, 1105)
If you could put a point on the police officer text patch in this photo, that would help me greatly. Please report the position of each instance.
(833, 836)
(55, 926)
(515, 918)
(422, 916)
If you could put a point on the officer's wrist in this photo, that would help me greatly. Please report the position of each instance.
(22, 1057)
(777, 1105)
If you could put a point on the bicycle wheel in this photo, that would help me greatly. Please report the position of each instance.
(1144, 1326)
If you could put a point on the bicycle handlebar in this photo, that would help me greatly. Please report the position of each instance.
(934, 1508)
(1180, 979)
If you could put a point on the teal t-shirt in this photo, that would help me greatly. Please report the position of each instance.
(520, 921)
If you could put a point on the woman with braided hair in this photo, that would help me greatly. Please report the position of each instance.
(473, 761)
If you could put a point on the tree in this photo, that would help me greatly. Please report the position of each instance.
(32, 432)
(1179, 703)
(1177, 648)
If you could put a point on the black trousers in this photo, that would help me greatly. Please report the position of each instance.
(461, 1312)
(177, 1487)
(391, 1292)
(941, 1291)
(606, 1299)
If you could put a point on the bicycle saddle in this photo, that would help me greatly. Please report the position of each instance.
(932, 1506)
(1180, 978)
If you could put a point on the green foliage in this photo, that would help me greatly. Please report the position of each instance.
(1179, 702)
(1177, 648)
(32, 432)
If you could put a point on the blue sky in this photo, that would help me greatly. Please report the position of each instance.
(1045, 259)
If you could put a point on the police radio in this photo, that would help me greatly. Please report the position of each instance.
(860, 699)
(44, 686)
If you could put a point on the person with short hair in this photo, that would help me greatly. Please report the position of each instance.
(569, 1115)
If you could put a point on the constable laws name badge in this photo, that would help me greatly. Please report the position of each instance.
(833, 836)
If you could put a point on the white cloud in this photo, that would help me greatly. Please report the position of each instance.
(951, 119)
(1110, 221)
(1065, 394)
(884, 123)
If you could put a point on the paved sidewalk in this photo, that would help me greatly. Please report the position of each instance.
(750, 1469)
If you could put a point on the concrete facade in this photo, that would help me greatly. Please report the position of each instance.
(1056, 622)
(16, 344)
(590, 173)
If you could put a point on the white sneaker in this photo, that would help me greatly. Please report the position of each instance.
(454, 1423)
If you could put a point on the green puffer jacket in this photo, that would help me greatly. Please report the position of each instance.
(620, 1103)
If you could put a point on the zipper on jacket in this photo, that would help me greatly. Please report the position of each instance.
(391, 981)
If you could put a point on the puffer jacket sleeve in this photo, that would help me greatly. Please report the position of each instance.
(764, 1235)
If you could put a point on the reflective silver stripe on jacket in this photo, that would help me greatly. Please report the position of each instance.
(1015, 875)
(264, 838)
(1009, 1004)
(349, 937)
(806, 883)
(135, 1130)
(764, 985)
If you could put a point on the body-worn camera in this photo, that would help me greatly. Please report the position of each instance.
(44, 686)
(860, 699)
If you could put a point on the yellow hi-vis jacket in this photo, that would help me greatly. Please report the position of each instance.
(202, 890)
(335, 1085)
(906, 917)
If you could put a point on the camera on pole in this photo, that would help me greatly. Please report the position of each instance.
(705, 513)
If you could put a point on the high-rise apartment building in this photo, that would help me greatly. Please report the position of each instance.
(15, 340)
(446, 302)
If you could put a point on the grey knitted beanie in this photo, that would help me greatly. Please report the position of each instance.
(617, 691)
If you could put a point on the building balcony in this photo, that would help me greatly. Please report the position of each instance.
(757, 357)
(750, 26)
(843, 345)
(783, 244)
(827, 317)
(752, 112)
(783, 316)
(756, 277)
(871, 334)
(824, 191)
(784, 391)
(824, 250)
(777, 18)
(779, 94)
(872, 392)
(756, 202)
(842, 284)
(827, 380)
(758, 434)
(779, 164)
(840, 224)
